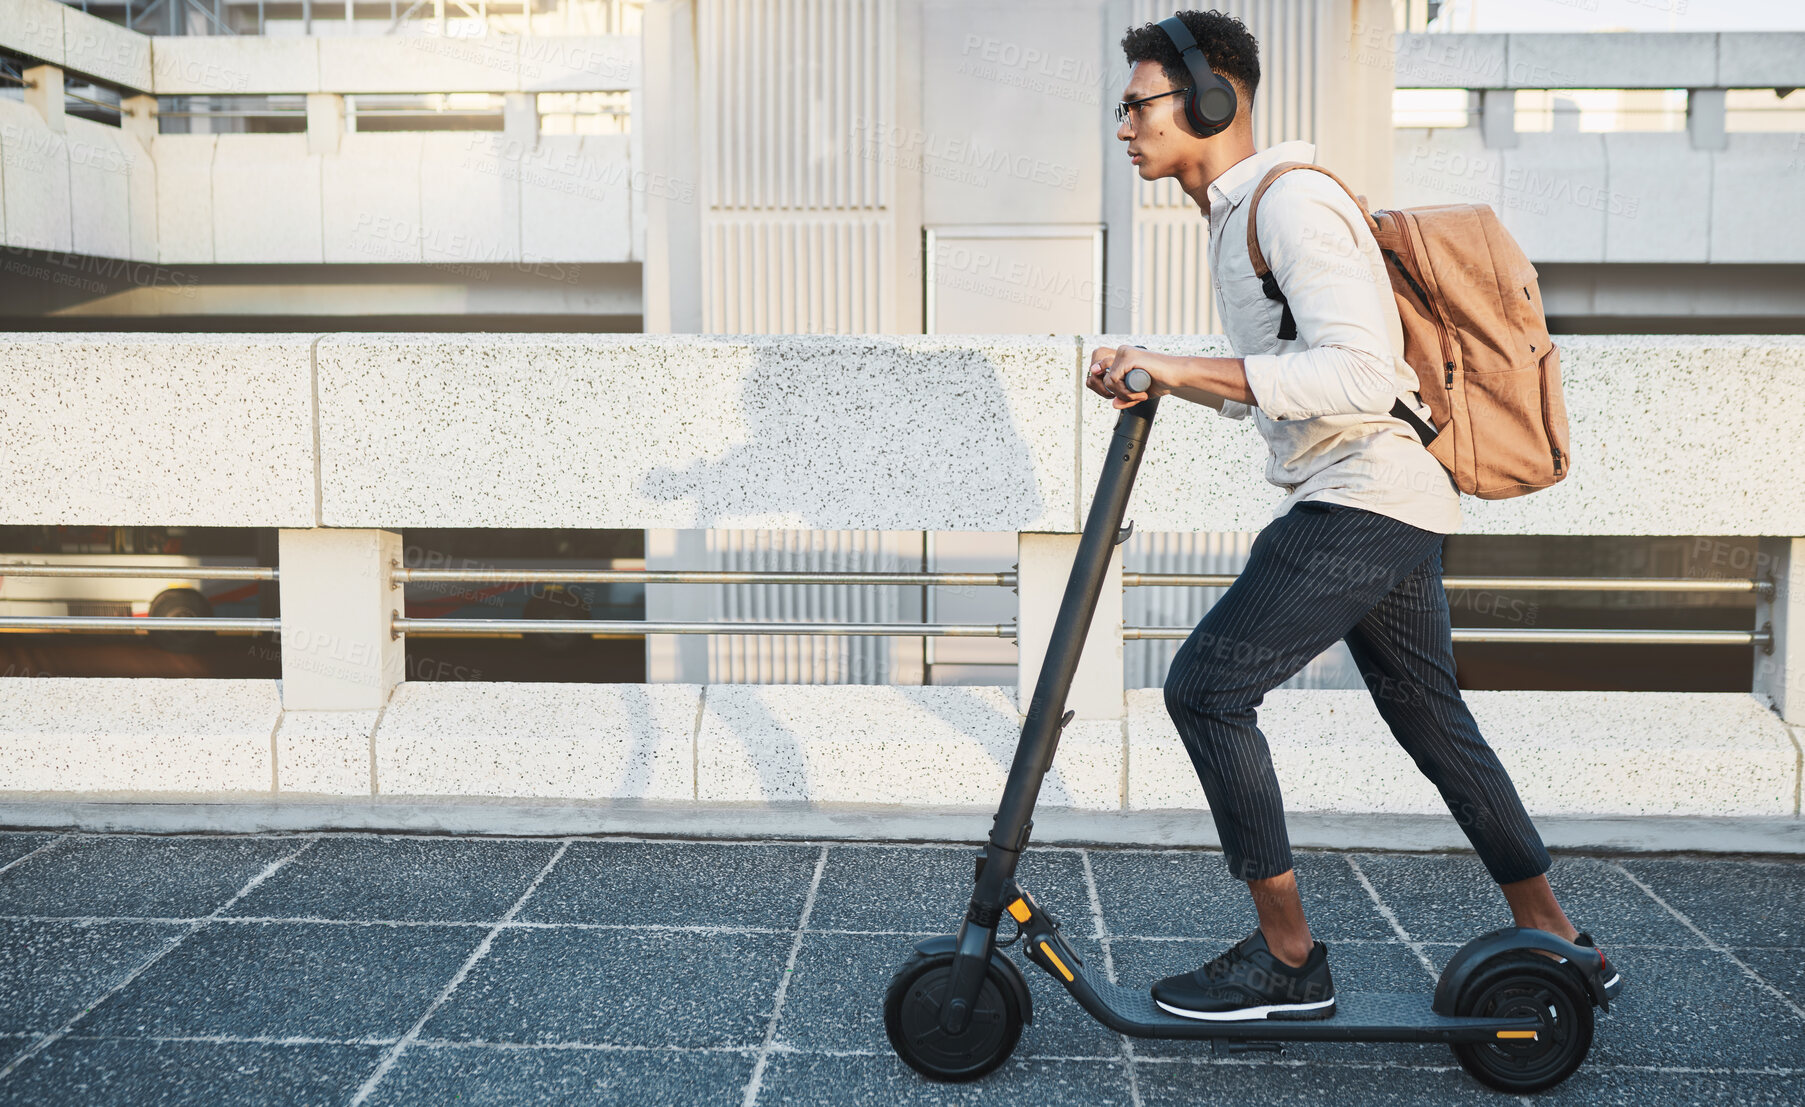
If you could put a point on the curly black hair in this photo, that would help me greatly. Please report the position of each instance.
(1230, 48)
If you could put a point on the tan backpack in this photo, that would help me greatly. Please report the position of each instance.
(1475, 334)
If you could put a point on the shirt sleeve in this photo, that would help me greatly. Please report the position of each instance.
(1312, 236)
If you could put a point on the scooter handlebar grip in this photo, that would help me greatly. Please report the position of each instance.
(1138, 380)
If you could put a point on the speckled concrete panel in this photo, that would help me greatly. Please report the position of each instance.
(101, 161)
(1642, 753)
(156, 430)
(136, 734)
(324, 751)
(1568, 753)
(203, 64)
(1673, 435)
(371, 191)
(576, 741)
(875, 744)
(266, 199)
(1664, 436)
(529, 430)
(184, 198)
(37, 180)
(1200, 472)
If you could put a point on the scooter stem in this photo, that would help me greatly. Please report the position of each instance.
(1043, 723)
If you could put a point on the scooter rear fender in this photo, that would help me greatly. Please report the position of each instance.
(1468, 959)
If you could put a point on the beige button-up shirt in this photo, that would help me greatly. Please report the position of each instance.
(1322, 400)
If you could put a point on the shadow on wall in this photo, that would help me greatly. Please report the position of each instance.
(934, 443)
(932, 437)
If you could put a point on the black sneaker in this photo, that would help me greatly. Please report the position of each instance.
(1613, 980)
(1248, 982)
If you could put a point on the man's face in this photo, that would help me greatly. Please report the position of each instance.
(1156, 133)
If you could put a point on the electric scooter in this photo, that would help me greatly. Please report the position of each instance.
(1517, 1020)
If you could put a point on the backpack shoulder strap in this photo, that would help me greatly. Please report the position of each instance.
(1268, 283)
(1260, 268)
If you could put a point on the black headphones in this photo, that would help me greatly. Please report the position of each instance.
(1210, 101)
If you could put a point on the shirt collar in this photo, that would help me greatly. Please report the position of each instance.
(1238, 178)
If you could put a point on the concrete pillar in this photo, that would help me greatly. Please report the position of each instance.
(138, 118)
(325, 122)
(520, 118)
(1780, 675)
(337, 602)
(1498, 117)
(667, 123)
(1705, 118)
(44, 92)
(1044, 565)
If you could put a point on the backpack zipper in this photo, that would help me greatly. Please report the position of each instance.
(1441, 330)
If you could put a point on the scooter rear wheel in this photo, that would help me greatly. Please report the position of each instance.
(1527, 984)
(912, 1020)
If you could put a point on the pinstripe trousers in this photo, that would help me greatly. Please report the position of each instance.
(1319, 573)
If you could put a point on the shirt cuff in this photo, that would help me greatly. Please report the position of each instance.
(1263, 382)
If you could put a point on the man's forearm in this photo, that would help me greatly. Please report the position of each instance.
(1210, 380)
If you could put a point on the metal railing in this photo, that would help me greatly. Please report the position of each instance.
(1502, 584)
(1763, 638)
(401, 625)
(136, 622)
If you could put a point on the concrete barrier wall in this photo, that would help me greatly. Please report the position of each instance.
(1670, 435)
(1597, 754)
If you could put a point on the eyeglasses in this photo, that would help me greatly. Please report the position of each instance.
(1123, 108)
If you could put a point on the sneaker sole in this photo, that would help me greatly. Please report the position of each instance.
(1282, 1011)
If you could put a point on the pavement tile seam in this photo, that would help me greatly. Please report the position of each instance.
(1100, 932)
(1391, 916)
(579, 1047)
(763, 1062)
(1710, 942)
(388, 1059)
(792, 1050)
(47, 846)
(54, 1036)
(234, 1039)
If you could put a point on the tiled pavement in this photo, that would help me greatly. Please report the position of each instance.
(381, 970)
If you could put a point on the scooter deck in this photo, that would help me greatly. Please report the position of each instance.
(1359, 1017)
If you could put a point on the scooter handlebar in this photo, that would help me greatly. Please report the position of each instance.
(1137, 380)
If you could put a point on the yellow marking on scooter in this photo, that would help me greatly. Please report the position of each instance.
(1019, 910)
(1057, 963)
(1516, 1033)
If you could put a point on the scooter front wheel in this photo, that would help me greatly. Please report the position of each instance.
(912, 1020)
(1527, 984)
